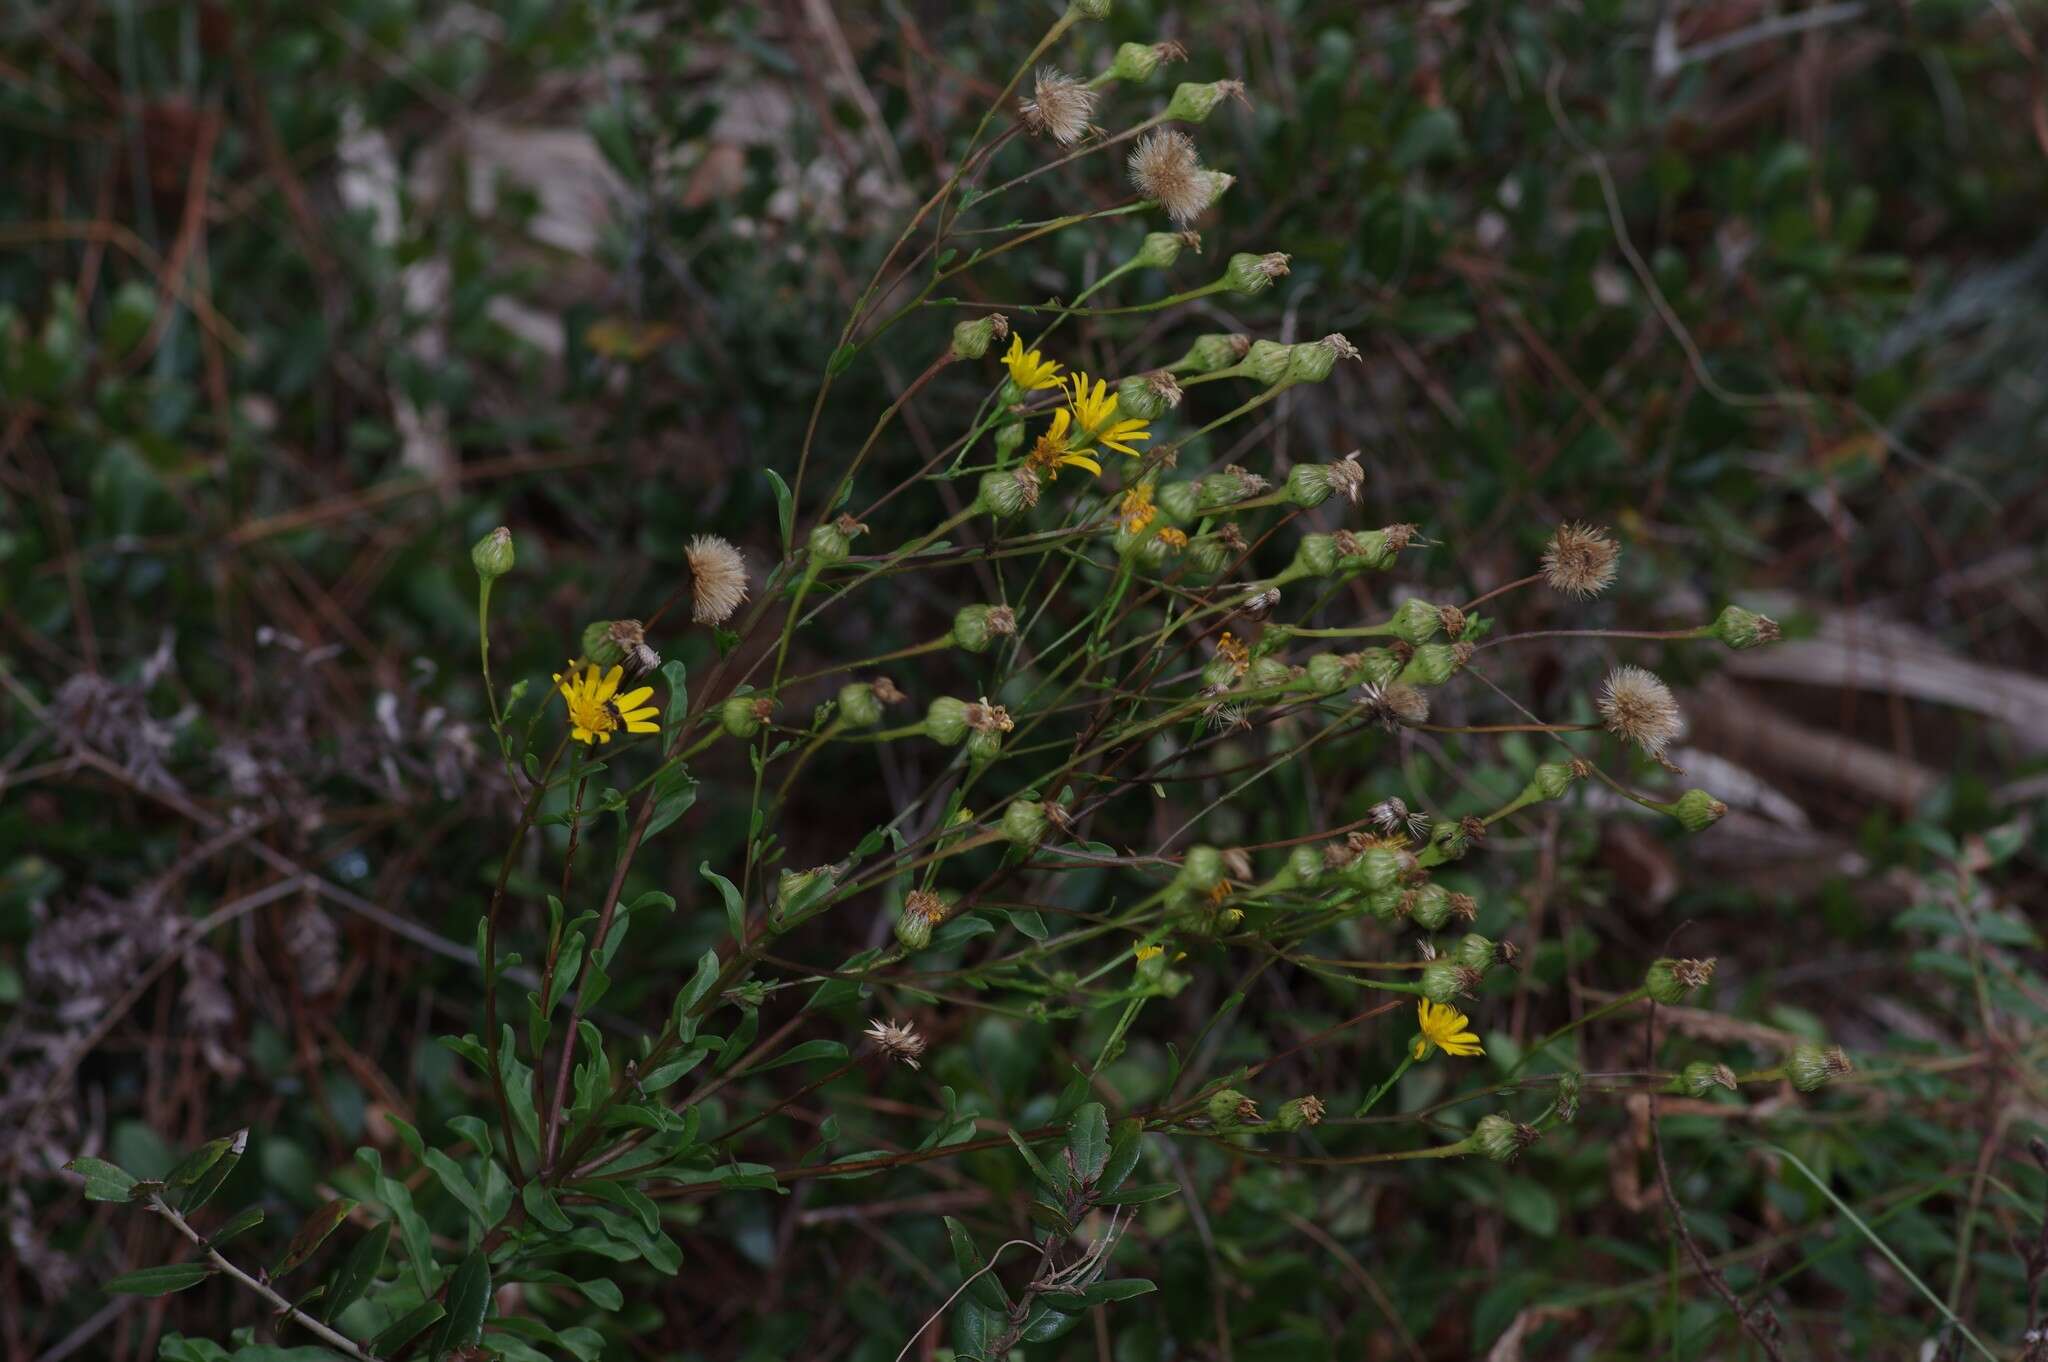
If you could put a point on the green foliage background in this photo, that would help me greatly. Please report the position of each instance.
(297, 303)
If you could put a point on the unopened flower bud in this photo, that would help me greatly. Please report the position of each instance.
(971, 339)
(491, 555)
(797, 889)
(1377, 867)
(1248, 274)
(977, 626)
(1701, 1077)
(1267, 361)
(1268, 673)
(1328, 673)
(1316, 555)
(922, 911)
(1501, 1139)
(1429, 905)
(1201, 869)
(1696, 810)
(1192, 102)
(1552, 779)
(1024, 823)
(859, 706)
(1811, 1067)
(1435, 663)
(1009, 439)
(744, 712)
(1181, 501)
(1417, 621)
(1147, 397)
(1299, 1114)
(1008, 491)
(1306, 863)
(1229, 1107)
(1386, 904)
(1477, 952)
(1308, 485)
(1376, 666)
(1444, 980)
(1673, 981)
(945, 721)
(1092, 9)
(1159, 249)
(1212, 352)
(831, 542)
(1739, 628)
(599, 646)
(1312, 361)
(1208, 555)
(1229, 486)
(984, 746)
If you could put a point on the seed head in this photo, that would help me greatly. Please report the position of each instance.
(1580, 561)
(898, 1040)
(1638, 708)
(1394, 705)
(1059, 106)
(1166, 169)
(718, 579)
(984, 717)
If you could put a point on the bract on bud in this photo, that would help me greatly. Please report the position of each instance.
(492, 555)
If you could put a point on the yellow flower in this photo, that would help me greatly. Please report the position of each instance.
(1052, 452)
(1145, 953)
(1136, 509)
(1172, 538)
(1028, 370)
(1443, 1027)
(1095, 413)
(597, 710)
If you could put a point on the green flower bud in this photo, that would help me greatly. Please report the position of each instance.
(1092, 9)
(1430, 907)
(830, 542)
(1696, 810)
(1700, 1078)
(984, 745)
(1673, 981)
(744, 712)
(1312, 361)
(599, 646)
(1445, 980)
(1180, 501)
(1008, 491)
(971, 339)
(859, 706)
(1249, 274)
(491, 555)
(1552, 779)
(1192, 103)
(1229, 1107)
(1328, 673)
(1417, 621)
(1811, 1067)
(796, 890)
(1501, 1139)
(1299, 1114)
(1211, 353)
(1739, 628)
(1316, 555)
(1567, 1097)
(945, 721)
(1435, 663)
(1159, 249)
(977, 626)
(1377, 868)
(1009, 439)
(1208, 555)
(1147, 396)
(922, 911)
(1219, 673)
(1386, 904)
(1024, 823)
(1218, 183)
(1306, 863)
(1476, 952)
(1308, 485)
(1268, 673)
(1267, 361)
(1201, 869)
(1376, 666)
(1230, 486)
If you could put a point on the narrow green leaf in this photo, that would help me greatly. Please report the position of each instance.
(803, 1054)
(312, 1234)
(357, 1271)
(103, 1181)
(785, 504)
(458, 1184)
(158, 1281)
(207, 1183)
(542, 1206)
(469, 1298)
(985, 1290)
(1124, 1148)
(244, 1220)
(1139, 1195)
(406, 1327)
(735, 909)
(1088, 1140)
(677, 675)
(195, 1165)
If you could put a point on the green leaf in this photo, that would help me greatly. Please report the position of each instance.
(677, 675)
(628, 1198)
(208, 1182)
(1038, 1169)
(1088, 1141)
(985, 1290)
(407, 1327)
(1124, 1148)
(803, 1054)
(357, 1271)
(674, 793)
(693, 992)
(735, 910)
(1530, 1205)
(313, 1233)
(195, 1165)
(785, 504)
(841, 358)
(469, 1297)
(1139, 1195)
(542, 1206)
(244, 1220)
(103, 1181)
(158, 1281)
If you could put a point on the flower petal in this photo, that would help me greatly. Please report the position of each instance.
(633, 699)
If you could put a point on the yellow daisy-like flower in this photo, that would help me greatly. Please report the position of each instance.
(1145, 953)
(1095, 413)
(1136, 510)
(1053, 450)
(1028, 369)
(1444, 1028)
(597, 710)
(1172, 538)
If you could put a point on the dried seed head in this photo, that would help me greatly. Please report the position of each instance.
(718, 579)
(1580, 561)
(898, 1040)
(885, 691)
(984, 717)
(1346, 477)
(1059, 106)
(1394, 705)
(1166, 169)
(1638, 708)
(1300, 1113)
